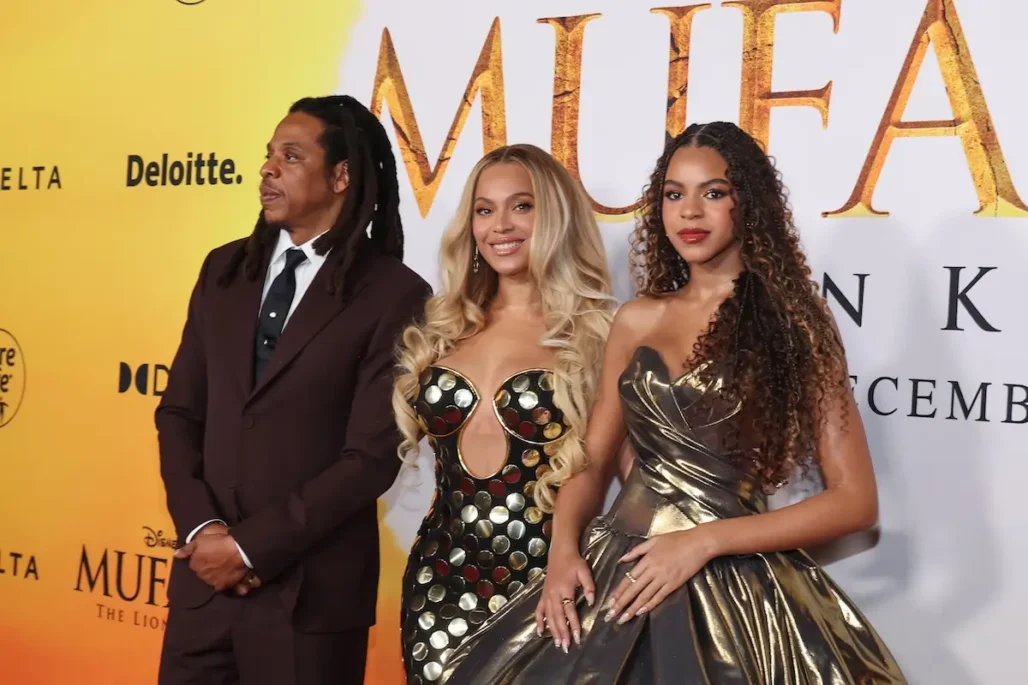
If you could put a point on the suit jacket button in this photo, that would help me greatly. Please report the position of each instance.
(247, 422)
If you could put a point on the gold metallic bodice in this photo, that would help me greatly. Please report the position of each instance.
(484, 538)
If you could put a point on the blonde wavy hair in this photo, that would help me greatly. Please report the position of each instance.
(567, 262)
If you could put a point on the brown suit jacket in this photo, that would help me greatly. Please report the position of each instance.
(294, 465)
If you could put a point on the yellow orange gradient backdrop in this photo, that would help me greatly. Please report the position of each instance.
(101, 274)
(95, 275)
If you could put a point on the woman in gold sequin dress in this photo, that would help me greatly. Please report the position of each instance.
(729, 376)
(500, 377)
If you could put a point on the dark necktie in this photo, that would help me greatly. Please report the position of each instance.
(275, 309)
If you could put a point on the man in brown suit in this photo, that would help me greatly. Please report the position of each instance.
(276, 431)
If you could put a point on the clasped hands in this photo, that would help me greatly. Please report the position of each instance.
(663, 564)
(214, 557)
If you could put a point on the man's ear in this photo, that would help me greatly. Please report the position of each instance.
(341, 177)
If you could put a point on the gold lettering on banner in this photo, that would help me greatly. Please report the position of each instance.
(678, 64)
(486, 79)
(756, 98)
(567, 89)
(941, 28)
(567, 99)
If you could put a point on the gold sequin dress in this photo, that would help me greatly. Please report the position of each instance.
(484, 539)
(757, 619)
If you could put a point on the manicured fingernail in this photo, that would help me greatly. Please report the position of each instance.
(610, 615)
(539, 631)
(590, 598)
(578, 638)
(556, 643)
(624, 618)
(642, 610)
(564, 647)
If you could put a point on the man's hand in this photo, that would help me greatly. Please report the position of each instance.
(213, 556)
(249, 583)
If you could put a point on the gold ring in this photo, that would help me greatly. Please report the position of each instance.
(566, 601)
(630, 576)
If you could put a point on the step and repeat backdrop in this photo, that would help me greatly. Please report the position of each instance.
(901, 129)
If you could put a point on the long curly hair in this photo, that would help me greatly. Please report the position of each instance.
(568, 265)
(774, 338)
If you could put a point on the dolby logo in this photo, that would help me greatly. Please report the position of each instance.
(146, 379)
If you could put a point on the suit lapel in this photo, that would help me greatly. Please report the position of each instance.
(317, 308)
(241, 328)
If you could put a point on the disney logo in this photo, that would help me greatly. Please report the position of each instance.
(154, 538)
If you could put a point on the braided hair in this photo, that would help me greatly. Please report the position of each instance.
(355, 135)
(774, 337)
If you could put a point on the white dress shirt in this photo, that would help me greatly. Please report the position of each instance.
(305, 273)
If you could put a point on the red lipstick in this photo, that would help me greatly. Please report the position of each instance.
(691, 236)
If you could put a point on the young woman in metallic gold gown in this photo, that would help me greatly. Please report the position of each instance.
(518, 326)
(729, 377)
